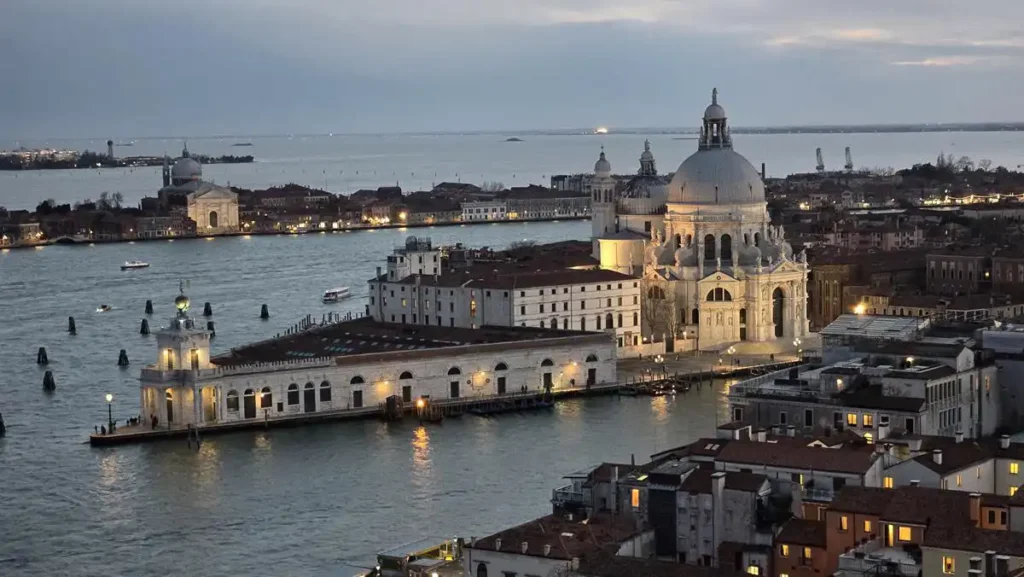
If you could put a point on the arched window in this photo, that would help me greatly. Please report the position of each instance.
(547, 363)
(325, 392)
(777, 307)
(743, 316)
(266, 398)
(597, 320)
(293, 394)
(636, 318)
(679, 240)
(232, 400)
(454, 371)
(213, 219)
(726, 247)
(309, 385)
(719, 295)
(689, 240)
(694, 317)
(481, 570)
(356, 380)
(583, 324)
(542, 324)
(591, 358)
(501, 367)
(620, 320)
(656, 293)
(709, 247)
(757, 239)
(405, 375)
(746, 239)
(609, 322)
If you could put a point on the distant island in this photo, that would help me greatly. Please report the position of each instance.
(69, 159)
(242, 144)
(513, 139)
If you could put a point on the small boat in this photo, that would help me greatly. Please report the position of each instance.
(134, 264)
(103, 308)
(336, 294)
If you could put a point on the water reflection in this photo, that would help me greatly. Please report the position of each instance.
(421, 449)
(659, 408)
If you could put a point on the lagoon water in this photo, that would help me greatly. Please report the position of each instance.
(346, 163)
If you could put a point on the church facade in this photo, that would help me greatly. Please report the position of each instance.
(213, 208)
(716, 272)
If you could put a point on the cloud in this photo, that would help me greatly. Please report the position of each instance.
(946, 61)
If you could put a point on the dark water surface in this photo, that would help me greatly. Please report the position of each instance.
(284, 502)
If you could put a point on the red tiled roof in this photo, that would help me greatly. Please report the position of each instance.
(967, 538)
(567, 539)
(852, 460)
(803, 532)
(699, 481)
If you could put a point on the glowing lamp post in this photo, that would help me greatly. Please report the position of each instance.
(110, 413)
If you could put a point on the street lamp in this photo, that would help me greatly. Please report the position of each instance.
(110, 413)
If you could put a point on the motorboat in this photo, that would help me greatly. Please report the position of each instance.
(103, 308)
(134, 264)
(336, 294)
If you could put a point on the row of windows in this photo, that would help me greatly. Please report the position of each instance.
(609, 322)
(583, 305)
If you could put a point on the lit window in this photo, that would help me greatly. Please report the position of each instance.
(867, 526)
(634, 498)
(905, 534)
(807, 552)
(785, 550)
(472, 308)
(868, 438)
(404, 302)
(851, 419)
(1013, 491)
(959, 481)
(868, 420)
(783, 574)
(844, 523)
(1014, 467)
(753, 570)
(948, 565)
(979, 472)
(887, 482)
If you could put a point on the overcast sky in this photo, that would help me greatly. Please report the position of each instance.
(94, 68)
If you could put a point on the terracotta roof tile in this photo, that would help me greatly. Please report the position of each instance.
(968, 538)
(803, 532)
(844, 460)
(567, 539)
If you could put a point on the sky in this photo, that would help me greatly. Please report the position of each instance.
(77, 69)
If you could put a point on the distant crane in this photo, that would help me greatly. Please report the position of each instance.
(849, 160)
(821, 163)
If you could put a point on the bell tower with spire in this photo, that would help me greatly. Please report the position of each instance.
(171, 387)
(714, 133)
(602, 202)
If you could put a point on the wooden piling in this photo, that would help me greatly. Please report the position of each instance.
(210, 327)
(149, 307)
(207, 310)
(122, 358)
(41, 358)
(48, 383)
(144, 329)
(71, 325)
(264, 312)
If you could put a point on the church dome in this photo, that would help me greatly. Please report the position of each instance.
(716, 174)
(647, 155)
(186, 169)
(602, 167)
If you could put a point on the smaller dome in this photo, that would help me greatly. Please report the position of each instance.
(714, 112)
(602, 167)
(646, 155)
(186, 169)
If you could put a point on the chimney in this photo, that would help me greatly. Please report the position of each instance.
(1004, 442)
(975, 499)
(915, 483)
(959, 436)
(990, 564)
(762, 436)
(1002, 565)
(547, 549)
(497, 544)
(937, 456)
(524, 547)
(790, 431)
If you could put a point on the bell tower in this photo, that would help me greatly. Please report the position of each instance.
(602, 201)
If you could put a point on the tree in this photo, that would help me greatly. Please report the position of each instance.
(492, 186)
(984, 165)
(104, 202)
(118, 199)
(964, 164)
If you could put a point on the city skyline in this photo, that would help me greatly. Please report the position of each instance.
(228, 67)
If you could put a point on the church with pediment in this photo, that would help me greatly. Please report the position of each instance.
(717, 273)
(213, 208)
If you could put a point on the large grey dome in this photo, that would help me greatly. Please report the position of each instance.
(716, 176)
(186, 169)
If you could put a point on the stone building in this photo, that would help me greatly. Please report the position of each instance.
(213, 208)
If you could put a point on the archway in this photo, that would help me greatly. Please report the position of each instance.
(453, 381)
(170, 406)
(709, 247)
(209, 398)
(266, 398)
(250, 404)
(309, 398)
(502, 381)
(726, 247)
(743, 324)
(213, 219)
(778, 300)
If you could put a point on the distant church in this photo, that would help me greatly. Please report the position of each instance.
(716, 269)
(213, 208)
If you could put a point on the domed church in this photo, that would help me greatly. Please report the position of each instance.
(716, 271)
(213, 208)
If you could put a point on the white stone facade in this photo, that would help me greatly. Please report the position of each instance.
(484, 210)
(214, 210)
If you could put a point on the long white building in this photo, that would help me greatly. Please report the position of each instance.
(355, 365)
